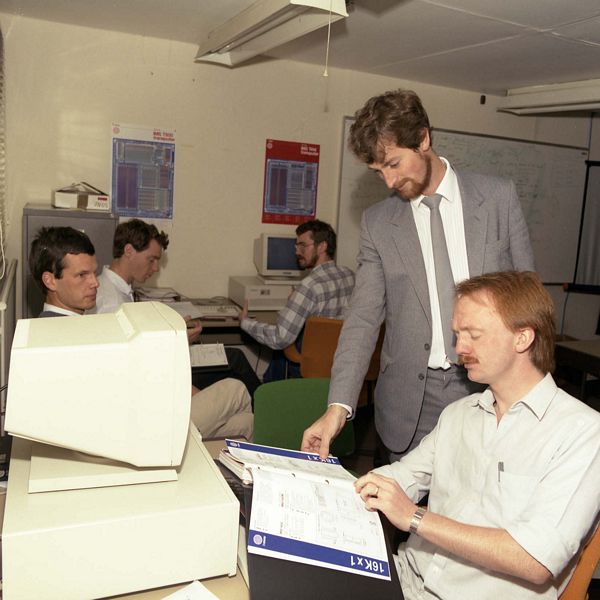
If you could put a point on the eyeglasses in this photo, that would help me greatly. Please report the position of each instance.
(302, 245)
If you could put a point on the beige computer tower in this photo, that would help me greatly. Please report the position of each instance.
(97, 542)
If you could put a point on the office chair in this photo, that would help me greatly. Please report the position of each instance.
(284, 409)
(318, 347)
(578, 584)
(319, 344)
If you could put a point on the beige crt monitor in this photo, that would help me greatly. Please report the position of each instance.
(90, 398)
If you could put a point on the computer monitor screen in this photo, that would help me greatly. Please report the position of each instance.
(112, 385)
(275, 256)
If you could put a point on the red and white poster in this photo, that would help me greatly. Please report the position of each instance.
(291, 177)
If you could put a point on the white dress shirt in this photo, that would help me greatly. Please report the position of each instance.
(113, 292)
(534, 474)
(60, 311)
(454, 232)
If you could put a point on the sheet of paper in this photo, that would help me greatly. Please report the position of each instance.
(207, 355)
(194, 591)
(319, 523)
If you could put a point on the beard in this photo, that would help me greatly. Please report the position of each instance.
(413, 188)
(307, 263)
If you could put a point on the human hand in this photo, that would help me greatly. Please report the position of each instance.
(244, 312)
(318, 437)
(193, 328)
(384, 494)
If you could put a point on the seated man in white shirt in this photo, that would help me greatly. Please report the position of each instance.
(512, 472)
(137, 249)
(63, 264)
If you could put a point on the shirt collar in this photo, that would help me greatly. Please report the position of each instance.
(445, 187)
(540, 396)
(324, 266)
(537, 399)
(61, 311)
(117, 281)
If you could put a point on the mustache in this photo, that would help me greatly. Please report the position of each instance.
(466, 359)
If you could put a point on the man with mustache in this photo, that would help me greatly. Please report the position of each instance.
(397, 276)
(512, 472)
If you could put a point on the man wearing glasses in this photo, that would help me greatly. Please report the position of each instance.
(325, 292)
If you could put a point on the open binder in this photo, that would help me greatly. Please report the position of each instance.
(307, 510)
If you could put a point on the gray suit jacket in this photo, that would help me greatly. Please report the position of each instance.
(391, 285)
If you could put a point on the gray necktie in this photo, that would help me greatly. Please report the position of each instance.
(443, 272)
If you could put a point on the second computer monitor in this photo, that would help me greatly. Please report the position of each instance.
(275, 255)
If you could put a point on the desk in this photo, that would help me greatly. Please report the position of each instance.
(582, 355)
(227, 588)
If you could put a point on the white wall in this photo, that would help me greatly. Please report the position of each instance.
(66, 85)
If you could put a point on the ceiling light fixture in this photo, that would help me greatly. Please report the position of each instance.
(560, 97)
(264, 25)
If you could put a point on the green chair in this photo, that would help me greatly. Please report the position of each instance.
(284, 409)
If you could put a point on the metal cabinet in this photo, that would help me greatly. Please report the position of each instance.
(99, 226)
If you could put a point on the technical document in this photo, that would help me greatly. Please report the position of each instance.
(306, 510)
(207, 355)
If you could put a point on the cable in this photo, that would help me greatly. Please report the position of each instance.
(325, 72)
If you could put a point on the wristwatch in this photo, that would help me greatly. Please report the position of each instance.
(416, 520)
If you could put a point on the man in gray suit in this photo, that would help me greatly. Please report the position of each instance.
(484, 230)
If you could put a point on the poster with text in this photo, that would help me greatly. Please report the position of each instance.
(143, 171)
(291, 176)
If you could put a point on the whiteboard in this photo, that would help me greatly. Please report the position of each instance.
(550, 182)
(588, 262)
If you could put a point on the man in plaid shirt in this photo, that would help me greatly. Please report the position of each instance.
(325, 292)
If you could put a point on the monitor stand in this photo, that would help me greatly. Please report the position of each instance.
(279, 280)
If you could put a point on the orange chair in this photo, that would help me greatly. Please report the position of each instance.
(578, 584)
(319, 343)
(318, 347)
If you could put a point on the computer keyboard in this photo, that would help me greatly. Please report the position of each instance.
(218, 310)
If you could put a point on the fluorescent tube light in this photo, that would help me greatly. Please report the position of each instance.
(559, 97)
(264, 25)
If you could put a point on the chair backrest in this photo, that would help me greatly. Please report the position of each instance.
(582, 575)
(284, 409)
(318, 346)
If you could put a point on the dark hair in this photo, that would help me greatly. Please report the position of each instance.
(139, 234)
(50, 246)
(321, 232)
(396, 117)
(521, 301)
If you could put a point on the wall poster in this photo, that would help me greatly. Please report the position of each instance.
(143, 171)
(291, 176)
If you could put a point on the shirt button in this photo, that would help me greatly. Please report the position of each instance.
(427, 347)
(421, 376)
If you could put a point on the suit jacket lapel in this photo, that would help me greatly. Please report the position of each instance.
(406, 239)
(475, 219)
